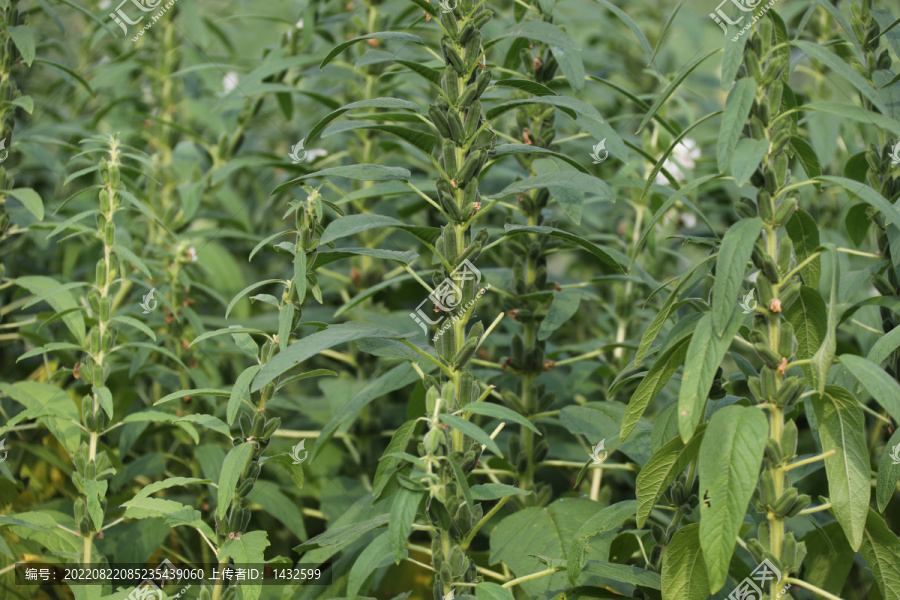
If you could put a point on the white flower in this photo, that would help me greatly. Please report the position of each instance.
(230, 81)
(314, 154)
(685, 154)
(299, 24)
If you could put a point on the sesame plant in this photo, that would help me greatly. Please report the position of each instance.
(577, 299)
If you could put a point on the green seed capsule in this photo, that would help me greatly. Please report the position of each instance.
(482, 18)
(439, 121)
(785, 502)
(449, 156)
(457, 130)
(468, 96)
(450, 83)
(473, 119)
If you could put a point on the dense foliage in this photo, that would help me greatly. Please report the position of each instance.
(494, 299)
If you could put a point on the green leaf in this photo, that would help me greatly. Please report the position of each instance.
(338, 537)
(381, 35)
(879, 384)
(232, 469)
(387, 465)
(473, 431)
(353, 224)
(314, 343)
(730, 457)
(420, 140)
(747, 157)
(23, 37)
(394, 379)
(662, 469)
(326, 256)
(881, 549)
(653, 383)
(829, 558)
(731, 267)
(867, 195)
(804, 233)
(174, 513)
(683, 568)
(165, 484)
(104, 398)
(403, 514)
(526, 85)
(888, 471)
(603, 254)
(842, 428)
(495, 491)
(208, 421)
(492, 591)
(358, 172)
(504, 149)
(737, 109)
(564, 49)
(834, 63)
(239, 392)
(29, 198)
(631, 25)
(231, 304)
(295, 471)
(885, 346)
(670, 89)
(808, 315)
(569, 180)
(374, 556)
(249, 548)
(563, 307)
(499, 412)
(608, 518)
(807, 156)
(704, 356)
(822, 359)
(193, 392)
(61, 301)
(627, 573)
(392, 103)
(855, 113)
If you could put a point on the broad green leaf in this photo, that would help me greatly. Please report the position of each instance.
(231, 304)
(325, 256)
(627, 573)
(670, 89)
(62, 301)
(387, 466)
(208, 421)
(499, 412)
(23, 37)
(403, 514)
(807, 156)
(731, 267)
(879, 384)
(821, 54)
(420, 140)
(683, 568)
(358, 172)
(804, 233)
(604, 255)
(391, 103)
(841, 428)
(492, 591)
(194, 392)
(855, 113)
(295, 471)
(353, 224)
(829, 558)
(730, 457)
(737, 109)
(881, 549)
(866, 194)
(564, 49)
(888, 471)
(652, 383)
(704, 356)
(249, 548)
(314, 343)
(285, 509)
(885, 346)
(374, 556)
(300, 275)
(53, 406)
(822, 359)
(606, 519)
(165, 484)
(174, 513)
(396, 378)
(631, 25)
(563, 307)
(570, 180)
(495, 491)
(239, 392)
(747, 157)
(504, 149)
(232, 469)
(661, 470)
(808, 315)
(104, 399)
(526, 85)
(29, 198)
(381, 35)
(473, 431)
